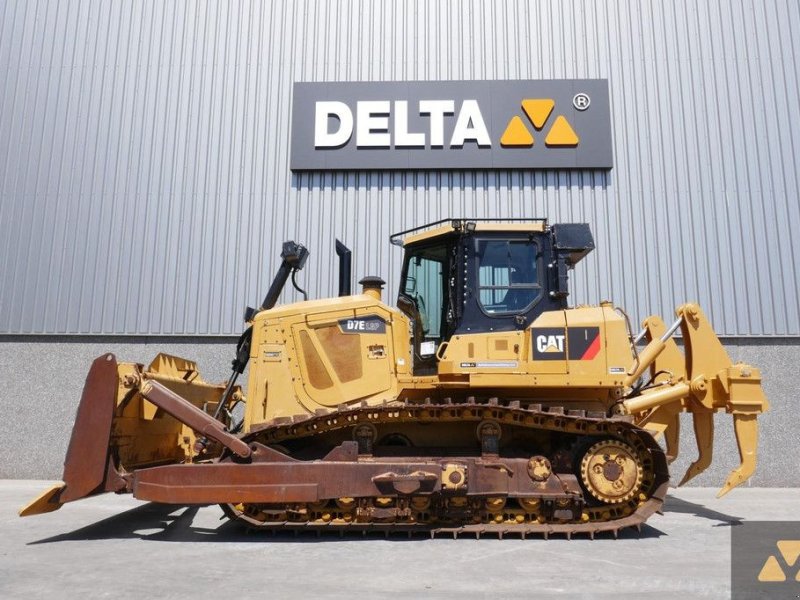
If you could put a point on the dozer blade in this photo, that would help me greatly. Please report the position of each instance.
(87, 463)
(131, 418)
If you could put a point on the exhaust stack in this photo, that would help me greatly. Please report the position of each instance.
(345, 265)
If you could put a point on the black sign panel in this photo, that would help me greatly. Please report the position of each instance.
(583, 343)
(525, 124)
(556, 343)
(549, 343)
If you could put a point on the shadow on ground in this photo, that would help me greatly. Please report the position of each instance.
(165, 523)
(158, 522)
(674, 504)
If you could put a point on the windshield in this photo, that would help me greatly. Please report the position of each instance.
(508, 278)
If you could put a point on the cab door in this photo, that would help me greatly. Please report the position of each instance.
(424, 298)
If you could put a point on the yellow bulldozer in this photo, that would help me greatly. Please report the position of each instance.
(481, 403)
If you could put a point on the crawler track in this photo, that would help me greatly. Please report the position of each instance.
(457, 515)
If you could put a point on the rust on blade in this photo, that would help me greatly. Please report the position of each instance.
(85, 467)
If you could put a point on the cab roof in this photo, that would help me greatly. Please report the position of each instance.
(446, 226)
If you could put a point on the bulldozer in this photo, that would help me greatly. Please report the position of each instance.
(481, 403)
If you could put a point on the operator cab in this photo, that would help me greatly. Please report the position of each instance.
(469, 276)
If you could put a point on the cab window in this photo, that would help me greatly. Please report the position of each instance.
(508, 278)
(425, 285)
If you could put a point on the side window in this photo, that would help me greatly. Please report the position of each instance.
(508, 277)
(425, 285)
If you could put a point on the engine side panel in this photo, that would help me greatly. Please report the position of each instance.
(322, 354)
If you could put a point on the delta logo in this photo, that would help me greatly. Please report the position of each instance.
(383, 124)
(451, 125)
(538, 110)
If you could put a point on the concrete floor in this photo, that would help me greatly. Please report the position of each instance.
(115, 546)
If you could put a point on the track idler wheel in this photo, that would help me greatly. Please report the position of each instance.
(611, 471)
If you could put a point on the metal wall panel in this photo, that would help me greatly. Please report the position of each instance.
(144, 147)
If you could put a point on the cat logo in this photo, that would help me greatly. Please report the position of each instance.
(789, 551)
(538, 110)
(550, 343)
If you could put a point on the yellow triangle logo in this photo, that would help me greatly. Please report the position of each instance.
(538, 110)
(790, 550)
(561, 134)
(771, 571)
(516, 135)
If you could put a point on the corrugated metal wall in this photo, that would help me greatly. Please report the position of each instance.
(144, 153)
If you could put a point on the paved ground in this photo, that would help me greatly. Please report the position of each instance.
(115, 546)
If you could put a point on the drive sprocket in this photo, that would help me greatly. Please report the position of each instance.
(611, 471)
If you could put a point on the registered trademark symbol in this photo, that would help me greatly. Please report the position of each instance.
(581, 101)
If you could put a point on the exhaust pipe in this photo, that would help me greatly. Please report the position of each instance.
(345, 265)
